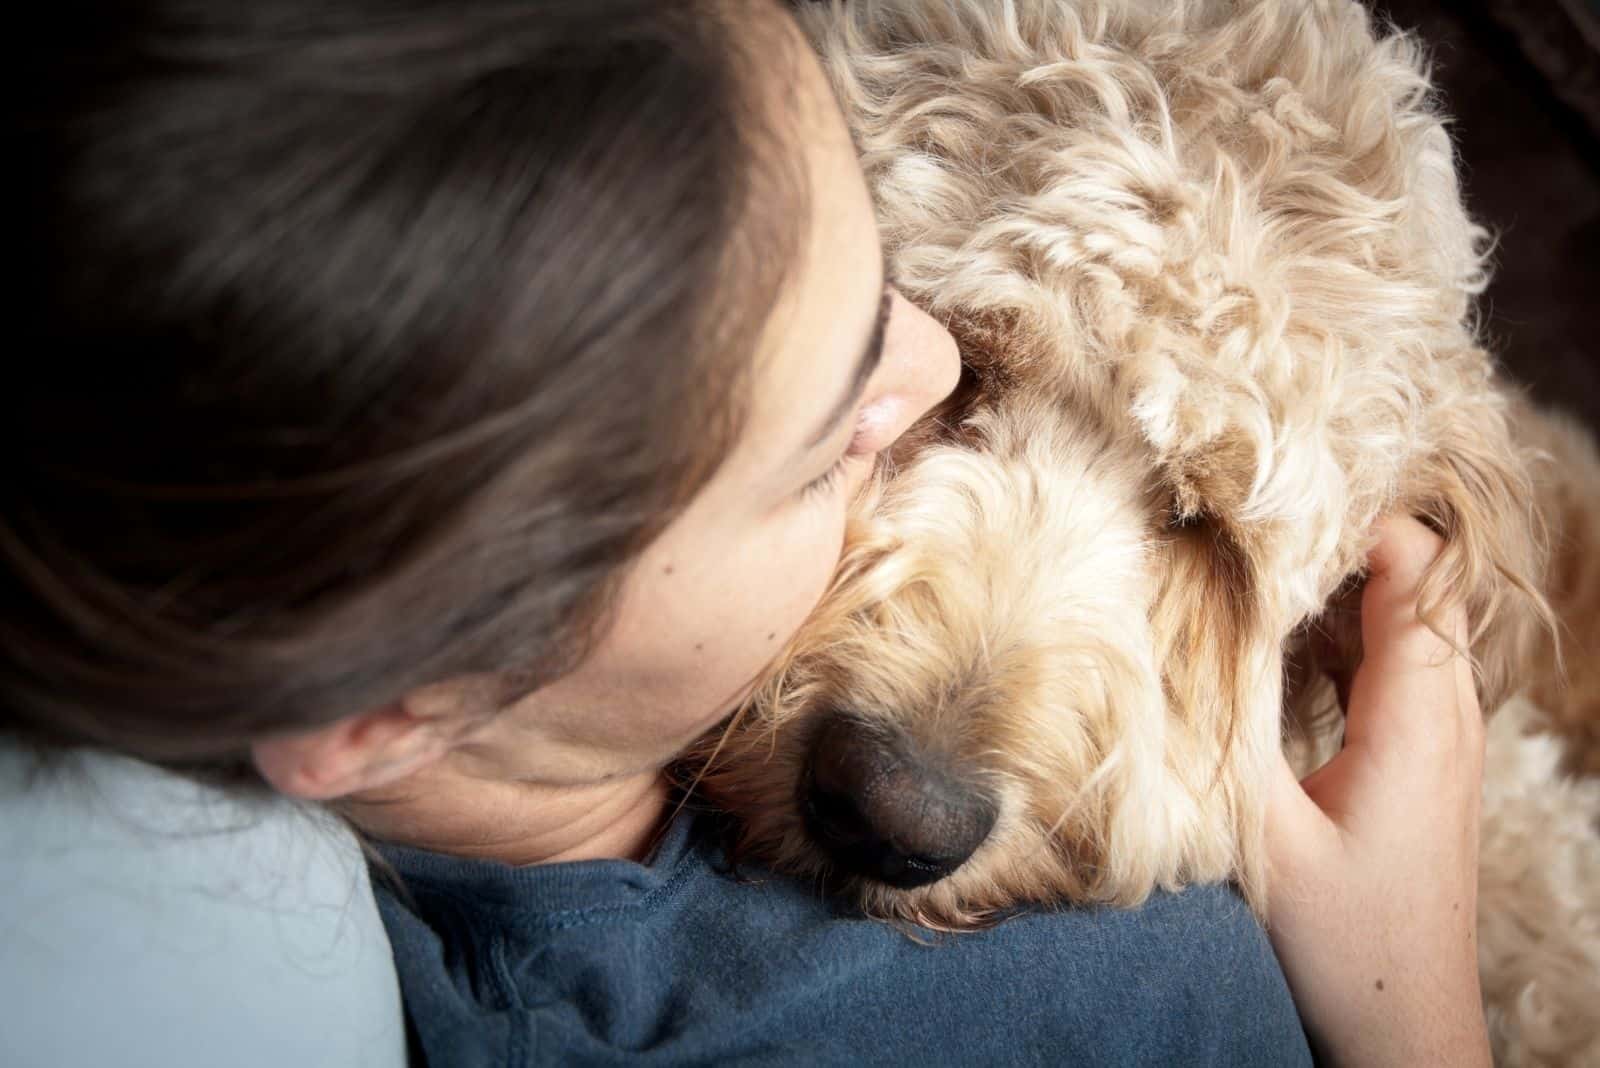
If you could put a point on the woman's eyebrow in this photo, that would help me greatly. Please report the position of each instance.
(868, 362)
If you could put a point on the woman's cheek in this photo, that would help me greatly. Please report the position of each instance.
(800, 574)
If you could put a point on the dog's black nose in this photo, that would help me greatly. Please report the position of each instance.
(882, 813)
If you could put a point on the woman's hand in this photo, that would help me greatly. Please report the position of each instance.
(1373, 899)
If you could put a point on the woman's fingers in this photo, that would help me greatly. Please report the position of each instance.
(1413, 692)
(1412, 715)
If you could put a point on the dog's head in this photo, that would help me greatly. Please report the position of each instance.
(977, 713)
(1210, 270)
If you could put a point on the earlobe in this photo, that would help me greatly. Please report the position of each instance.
(348, 755)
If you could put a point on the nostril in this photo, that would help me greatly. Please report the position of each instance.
(884, 814)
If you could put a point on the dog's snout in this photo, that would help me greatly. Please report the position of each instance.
(885, 814)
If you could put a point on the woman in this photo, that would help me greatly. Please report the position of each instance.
(443, 410)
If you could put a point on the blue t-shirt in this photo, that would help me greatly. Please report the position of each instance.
(681, 962)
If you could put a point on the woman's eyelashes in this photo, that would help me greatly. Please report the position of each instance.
(865, 443)
(824, 484)
(876, 428)
(829, 480)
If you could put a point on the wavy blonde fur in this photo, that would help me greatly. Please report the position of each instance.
(1213, 279)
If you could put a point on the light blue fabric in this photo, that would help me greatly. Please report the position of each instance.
(145, 920)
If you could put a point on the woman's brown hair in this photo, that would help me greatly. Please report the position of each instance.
(364, 344)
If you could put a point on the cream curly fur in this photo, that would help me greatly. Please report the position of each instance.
(1213, 281)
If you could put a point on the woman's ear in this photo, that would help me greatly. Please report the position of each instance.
(353, 754)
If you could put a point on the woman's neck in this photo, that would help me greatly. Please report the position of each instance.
(442, 810)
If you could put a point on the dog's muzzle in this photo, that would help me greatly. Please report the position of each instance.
(883, 813)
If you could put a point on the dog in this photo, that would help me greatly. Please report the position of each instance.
(1213, 283)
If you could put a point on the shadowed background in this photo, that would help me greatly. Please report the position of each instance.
(1522, 78)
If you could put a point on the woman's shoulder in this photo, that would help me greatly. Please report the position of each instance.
(202, 928)
(685, 960)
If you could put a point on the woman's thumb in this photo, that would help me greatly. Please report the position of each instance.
(1409, 678)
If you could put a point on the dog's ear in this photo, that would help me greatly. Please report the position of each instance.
(1475, 490)
(1472, 485)
(1221, 664)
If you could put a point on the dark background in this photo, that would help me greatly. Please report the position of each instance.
(1522, 80)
